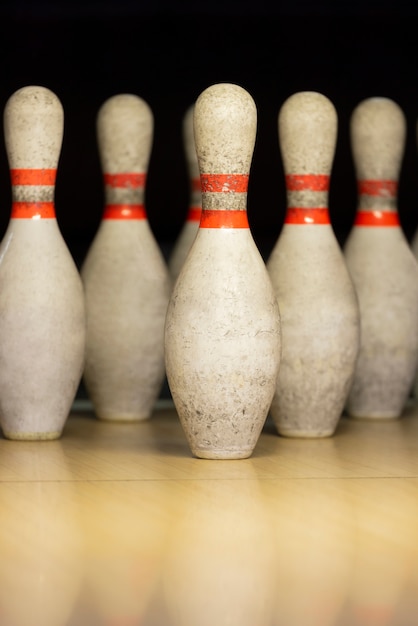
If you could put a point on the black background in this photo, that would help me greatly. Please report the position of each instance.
(168, 53)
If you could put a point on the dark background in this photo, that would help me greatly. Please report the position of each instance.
(168, 53)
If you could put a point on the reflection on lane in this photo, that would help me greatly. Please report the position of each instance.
(314, 550)
(220, 562)
(125, 526)
(41, 546)
(386, 542)
(206, 550)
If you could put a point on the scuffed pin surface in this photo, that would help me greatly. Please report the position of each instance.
(42, 314)
(222, 339)
(384, 269)
(318, 303)
(125, 277)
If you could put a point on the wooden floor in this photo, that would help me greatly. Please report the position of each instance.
(118, 525)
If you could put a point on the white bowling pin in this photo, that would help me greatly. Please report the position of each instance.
(382, 266)
(318, 303)
(191, 225)
(222, 335)
(414, 248)
(42, 316)
(125, 277)
(414, 244)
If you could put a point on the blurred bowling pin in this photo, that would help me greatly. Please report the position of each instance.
(125, 276)
(414, 248)
(42, 316)
(382, 266)
(318, 303)
(222, 335)
(190, 227)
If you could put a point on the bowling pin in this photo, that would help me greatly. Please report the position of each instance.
(222, 335)
(125, 277)
(382, 265)
(190, 227)
(42, 314)
(414, 248)
(318, 303)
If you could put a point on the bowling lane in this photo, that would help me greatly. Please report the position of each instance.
(157, 449)
(209, 551)
(118, 525)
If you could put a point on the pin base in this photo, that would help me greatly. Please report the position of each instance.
(306, 434)
(223, 455)
(378, 416)
(123, 417)
(18, 436)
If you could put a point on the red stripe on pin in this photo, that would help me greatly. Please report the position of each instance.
(383, 188)
(33, 210)
(296, 215)
(224, 183)
(194, 214)
(33, 176)
(224, 219)
(195, 184)
(307, 182)
(124, 212)
(125, 180)
(376, 218)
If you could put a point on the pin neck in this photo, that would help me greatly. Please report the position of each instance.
(33, 177)
(33, 210)
(125, 180)
(124, 212)
(307, 199)
(383, 188)
(33, 192)
(307, 215)
(195, 184)
(307, 182)
(125, 188)
(377, 218)
(377, 195)
(194, 214)
(226, 192)
(224, 183)
(223, 219)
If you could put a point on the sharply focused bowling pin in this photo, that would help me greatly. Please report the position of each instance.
(222, 335)
(318, 303)
(382, 266)
(42, 317)
(125, 277)
(191, 225)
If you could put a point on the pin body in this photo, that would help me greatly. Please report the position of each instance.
(414, 244)
(222, 337)
(382, 266)
(42, 315)
(191, 225)
(414, 248)
(318, 303)
(125, 277)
